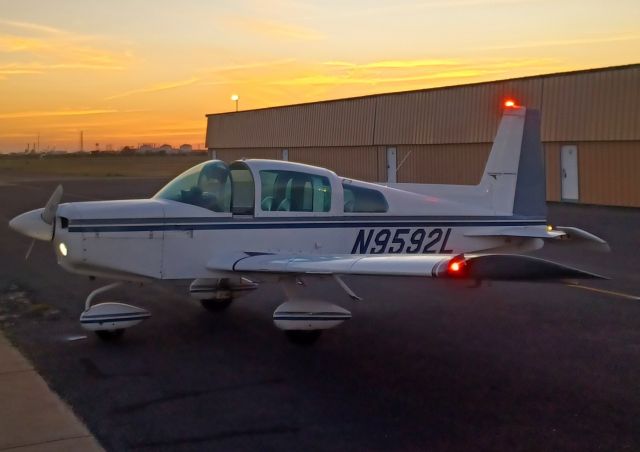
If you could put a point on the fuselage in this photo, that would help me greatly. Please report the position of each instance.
(299, 210)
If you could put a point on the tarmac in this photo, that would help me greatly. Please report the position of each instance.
(421, 366)
(32, 417)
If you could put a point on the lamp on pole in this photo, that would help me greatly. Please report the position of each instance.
(235, 98)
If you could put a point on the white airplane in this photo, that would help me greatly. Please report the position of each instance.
(228, 228)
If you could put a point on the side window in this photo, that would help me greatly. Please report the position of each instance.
(243, 189)
(291, 191)
(361, 200)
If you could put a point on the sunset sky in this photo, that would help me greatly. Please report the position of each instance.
(147, 71)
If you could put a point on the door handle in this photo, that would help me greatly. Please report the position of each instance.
(564, 173)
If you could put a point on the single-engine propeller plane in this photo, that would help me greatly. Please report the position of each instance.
(228, 228)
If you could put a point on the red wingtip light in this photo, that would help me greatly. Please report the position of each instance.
(510, 103)
(457, 267)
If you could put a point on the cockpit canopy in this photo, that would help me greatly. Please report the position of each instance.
(206, 185)
(270, 188)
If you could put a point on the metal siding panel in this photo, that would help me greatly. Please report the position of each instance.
(353, 162)
(443, 164)
(230, 155)
(592, 106)
(609, 173)
(552, 169)
(346, 122)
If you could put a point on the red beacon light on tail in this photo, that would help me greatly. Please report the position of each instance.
(510, 103)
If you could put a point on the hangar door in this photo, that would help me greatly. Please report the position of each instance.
(569, 172)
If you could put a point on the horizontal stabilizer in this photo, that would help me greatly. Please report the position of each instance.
(583, 238)
(515, 231)
(573, 235)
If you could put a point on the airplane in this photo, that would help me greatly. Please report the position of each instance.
(230, 228)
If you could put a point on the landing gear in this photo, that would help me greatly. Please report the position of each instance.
(109, 320)
(302, 319)
(216, 295)
(303, 337)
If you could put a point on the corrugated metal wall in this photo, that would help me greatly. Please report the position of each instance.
(552, 168)
(338, 123)
(355, 162)
(442, 163)
(607, 172)
(230, 155)
(449, 131)
(594, 106)
(465, 114)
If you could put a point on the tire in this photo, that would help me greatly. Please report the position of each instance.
(303, 337)
(216, 305)
(109, 335)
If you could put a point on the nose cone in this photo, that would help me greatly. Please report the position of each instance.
(32, 225)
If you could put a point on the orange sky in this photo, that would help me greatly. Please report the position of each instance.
(128, 72)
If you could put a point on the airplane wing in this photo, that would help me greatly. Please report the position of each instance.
(515, 267)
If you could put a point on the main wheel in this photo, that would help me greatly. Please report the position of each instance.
(303, 337)
(216, 305)
(109, 335)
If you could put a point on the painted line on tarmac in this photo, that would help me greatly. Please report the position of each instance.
(606, 292)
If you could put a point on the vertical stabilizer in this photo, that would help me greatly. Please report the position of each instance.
(514, 175)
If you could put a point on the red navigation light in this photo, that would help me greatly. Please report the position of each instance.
(457, 267)
(510, 103)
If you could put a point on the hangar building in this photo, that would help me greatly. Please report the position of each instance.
(590, 132)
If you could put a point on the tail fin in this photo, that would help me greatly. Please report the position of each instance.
(514, 175)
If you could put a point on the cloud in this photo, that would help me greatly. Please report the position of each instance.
(272, 29)
(403, 7)
(42, 113)
(155, 88)
(565, 42)
(376, 80)
(245, 66)
(408, 72)
(31, 26)
(394, 64)
(39, 48)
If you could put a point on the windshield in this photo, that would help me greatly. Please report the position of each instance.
(207, 185)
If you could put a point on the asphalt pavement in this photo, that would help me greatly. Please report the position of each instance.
(421, 366)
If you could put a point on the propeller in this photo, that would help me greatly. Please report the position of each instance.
(51, 207)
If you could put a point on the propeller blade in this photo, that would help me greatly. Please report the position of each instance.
(26, 256)
(50, 208)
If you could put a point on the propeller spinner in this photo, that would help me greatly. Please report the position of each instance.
(39, 224)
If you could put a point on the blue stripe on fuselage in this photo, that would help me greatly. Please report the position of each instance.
(296, 225)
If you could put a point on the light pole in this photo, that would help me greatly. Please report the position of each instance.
(235, 98)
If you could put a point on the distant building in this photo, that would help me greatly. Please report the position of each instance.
(146, 149)
(186, 149)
